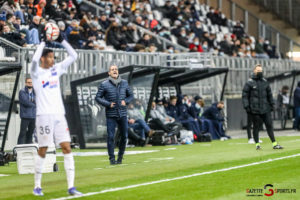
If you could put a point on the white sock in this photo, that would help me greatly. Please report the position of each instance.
(39, 164)
(70, 169)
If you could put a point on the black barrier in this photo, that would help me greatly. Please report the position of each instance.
(8, 101)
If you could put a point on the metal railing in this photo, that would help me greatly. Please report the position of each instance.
(241, 70)
(161, 40)
(91, 62)
(287, 10)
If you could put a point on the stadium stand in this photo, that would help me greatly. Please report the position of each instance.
(192, 26)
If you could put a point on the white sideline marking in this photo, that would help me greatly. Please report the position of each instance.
(177, 178)
(105, 153)
(170, 149)
(3, 175)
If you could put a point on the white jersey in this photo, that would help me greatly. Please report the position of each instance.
(46, 81)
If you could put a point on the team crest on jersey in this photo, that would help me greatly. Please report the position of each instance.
(53, 72)
(45, 84)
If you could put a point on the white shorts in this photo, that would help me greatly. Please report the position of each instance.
(52, 129)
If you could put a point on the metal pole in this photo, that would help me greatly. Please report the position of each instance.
(290, 10)
(278, 41)
(246, 15)
(233, 11)
(291, 48)
(220, 4)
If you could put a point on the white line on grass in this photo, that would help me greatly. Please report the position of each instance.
(177, 178)
(4, 175)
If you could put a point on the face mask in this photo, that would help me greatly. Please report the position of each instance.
(197, 105)
(259, 75)
(97, 1)
(29, 87)
(161, 33)
(196, 43)
(204, 46)
(183, 34)
(79, 1)
(180, 17)
(107, 12)
(170, 50)
(55, 5)
(198, 26)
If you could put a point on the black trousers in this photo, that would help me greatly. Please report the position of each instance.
(267, 120)
(26, 131)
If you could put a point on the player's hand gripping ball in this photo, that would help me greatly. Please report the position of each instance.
(52, 31)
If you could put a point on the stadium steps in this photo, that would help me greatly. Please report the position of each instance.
(269, 18)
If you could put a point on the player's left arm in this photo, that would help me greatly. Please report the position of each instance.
(70, 59)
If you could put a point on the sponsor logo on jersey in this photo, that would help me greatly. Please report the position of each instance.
(52, 84)
(45, 84)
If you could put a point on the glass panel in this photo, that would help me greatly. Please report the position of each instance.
(92, 115)
(7, 83)
(141, 87)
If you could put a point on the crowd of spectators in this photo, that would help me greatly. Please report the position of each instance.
(194, 26)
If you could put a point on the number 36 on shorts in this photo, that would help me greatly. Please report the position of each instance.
(44, 130)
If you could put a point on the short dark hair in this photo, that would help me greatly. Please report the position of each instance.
(46, 52)
(172, 98)
(27, 79)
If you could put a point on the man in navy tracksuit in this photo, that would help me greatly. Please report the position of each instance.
(27, 113)
(213, 114)
(114, 93)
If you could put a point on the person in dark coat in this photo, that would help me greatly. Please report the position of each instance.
(180, 111)
(216, 119)
(114, 93)
(27, 113)
(297, 107)
(258, 100)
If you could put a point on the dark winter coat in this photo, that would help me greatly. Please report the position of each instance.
(213, 113)
(297, 96)
(257, 96)
(109, 93)
(27, 106)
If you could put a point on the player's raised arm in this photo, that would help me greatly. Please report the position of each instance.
(70, 59)
(36, 59)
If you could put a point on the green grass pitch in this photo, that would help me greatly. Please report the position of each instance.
(94, 174)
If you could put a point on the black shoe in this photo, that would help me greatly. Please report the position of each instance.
(119, 161)
(277, 146)
(112, 162)
(258, 147)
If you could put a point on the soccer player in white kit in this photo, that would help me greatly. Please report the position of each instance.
(51, 124)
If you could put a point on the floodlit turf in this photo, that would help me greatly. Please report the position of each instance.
(94, 174)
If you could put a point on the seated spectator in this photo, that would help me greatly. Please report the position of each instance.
(197, 29)
(196, 46)
(215, 123)
(34, 31)
(137, 123)
(159, 122)
(145, 40)
(259, 50)
(238, 30)
(179, 110)
(197, 108)
(103, 21)
(182, 39)
(40, 8)
(14, 37)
